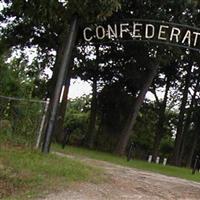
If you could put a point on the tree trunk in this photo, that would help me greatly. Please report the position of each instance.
(93, 115)
(188, 119)
(189, 161)
(127, 130)
(194, 144)
(161, 121)
(179, 132)
(185, 133)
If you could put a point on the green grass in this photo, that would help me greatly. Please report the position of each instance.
(25, 173)
(168, 170)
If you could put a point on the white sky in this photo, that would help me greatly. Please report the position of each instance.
(78, 88)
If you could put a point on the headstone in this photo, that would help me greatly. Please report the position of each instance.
(164, 161)
(157, 160)
(150, 158)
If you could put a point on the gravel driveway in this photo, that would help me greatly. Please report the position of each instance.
(128, 183)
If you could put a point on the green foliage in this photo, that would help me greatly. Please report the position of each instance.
(23, 115)
(43, 22)
(44, 25)
(76, 118)
(12, 81)
(21, 78)
(166, 146)
(92, 12)
(143, 136)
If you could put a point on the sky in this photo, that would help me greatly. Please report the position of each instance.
(78, 88)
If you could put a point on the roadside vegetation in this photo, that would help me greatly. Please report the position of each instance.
(168, 170)
(25, 173)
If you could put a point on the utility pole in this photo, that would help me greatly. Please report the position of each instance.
(65, 63)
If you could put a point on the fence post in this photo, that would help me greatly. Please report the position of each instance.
(42, 124)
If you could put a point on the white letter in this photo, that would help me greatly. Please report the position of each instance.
(147, 31)
(122, 30)
(136, 30)
(112, 32)
(187, 37)
(84, 34)
(99, 36)
(160, 37)
(196, 38)
(173, 34)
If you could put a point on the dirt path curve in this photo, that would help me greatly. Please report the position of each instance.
(126, 183)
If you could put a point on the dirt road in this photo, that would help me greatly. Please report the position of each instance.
(125, 183)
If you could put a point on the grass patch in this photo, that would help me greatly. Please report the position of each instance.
(168, 170)
(25, 173)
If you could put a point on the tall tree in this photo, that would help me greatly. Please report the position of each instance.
(126, 132)
(189, 113)
(195, 139)
(181, 116)
(161, 120)
(164, 80)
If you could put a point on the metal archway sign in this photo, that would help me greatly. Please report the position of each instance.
(144, 30)
(131, 30)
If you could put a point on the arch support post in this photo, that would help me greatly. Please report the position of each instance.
(65, 62)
